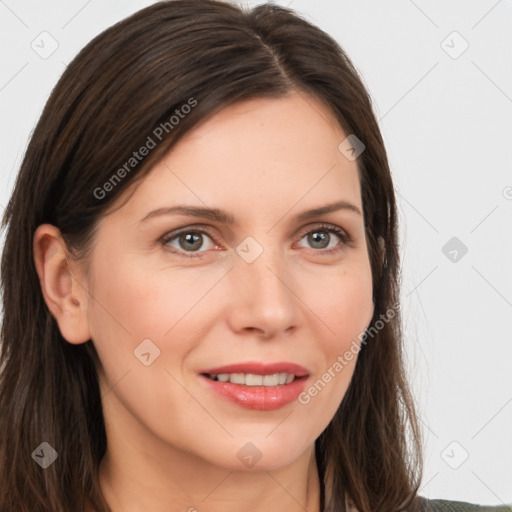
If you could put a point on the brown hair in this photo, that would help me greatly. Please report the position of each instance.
(127, 82)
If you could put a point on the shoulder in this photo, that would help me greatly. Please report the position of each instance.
(433, 505)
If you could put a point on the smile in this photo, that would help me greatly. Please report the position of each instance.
(252, 379)
(255, 385)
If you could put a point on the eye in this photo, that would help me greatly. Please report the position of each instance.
(318, 238)
(188, 241)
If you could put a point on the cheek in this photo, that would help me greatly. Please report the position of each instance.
(131, 304)
(134, 300)
(134, 313)
(347, 309)
(344, 304)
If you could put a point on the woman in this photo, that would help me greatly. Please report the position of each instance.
(173, 337)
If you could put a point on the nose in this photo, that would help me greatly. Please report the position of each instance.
(263, 297)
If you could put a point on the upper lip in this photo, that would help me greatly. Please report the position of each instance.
(258, 368)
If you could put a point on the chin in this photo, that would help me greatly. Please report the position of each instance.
(258, 453)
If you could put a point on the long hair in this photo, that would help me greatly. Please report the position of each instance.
(135, 80)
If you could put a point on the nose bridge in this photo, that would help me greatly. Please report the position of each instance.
(265, 288)
(264, 265)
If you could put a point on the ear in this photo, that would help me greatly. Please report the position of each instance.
(64, 294)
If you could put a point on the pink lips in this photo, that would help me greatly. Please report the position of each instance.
(264, 398)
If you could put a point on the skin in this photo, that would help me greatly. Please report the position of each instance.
(172, 444)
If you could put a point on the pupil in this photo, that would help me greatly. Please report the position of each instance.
(322, 236)
(189, 238)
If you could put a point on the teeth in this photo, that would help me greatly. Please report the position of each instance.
(250, 379)
(270, 380)
(237, 378)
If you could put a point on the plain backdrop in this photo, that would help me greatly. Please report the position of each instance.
(440, 75)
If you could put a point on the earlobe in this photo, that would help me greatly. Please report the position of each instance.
(64, 295)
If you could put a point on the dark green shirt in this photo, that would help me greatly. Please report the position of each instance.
(462, 506)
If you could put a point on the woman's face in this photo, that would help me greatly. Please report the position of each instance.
(270, 287)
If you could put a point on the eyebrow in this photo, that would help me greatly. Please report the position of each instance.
(224, 217)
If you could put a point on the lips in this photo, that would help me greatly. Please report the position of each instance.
(256, 397)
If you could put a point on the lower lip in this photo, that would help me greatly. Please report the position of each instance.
(263, 398)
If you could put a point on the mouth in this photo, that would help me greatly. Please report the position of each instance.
(253, 379)
(257, 374)
(256, 385)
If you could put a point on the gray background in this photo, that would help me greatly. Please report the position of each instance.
(445, 116)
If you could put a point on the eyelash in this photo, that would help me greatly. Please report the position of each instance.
(343, 235)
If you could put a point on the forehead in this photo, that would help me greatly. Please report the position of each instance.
(257, 153)
(296, 124)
